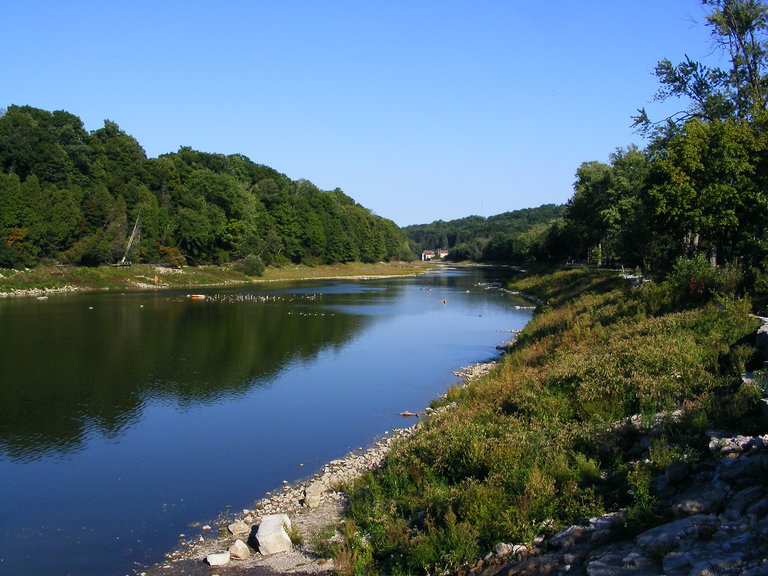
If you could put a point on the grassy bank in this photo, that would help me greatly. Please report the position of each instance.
(143, 276)
(534, 446)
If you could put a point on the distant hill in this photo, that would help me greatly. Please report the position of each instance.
(505, 237)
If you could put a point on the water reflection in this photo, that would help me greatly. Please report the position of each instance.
(77, 366)
(159, 410)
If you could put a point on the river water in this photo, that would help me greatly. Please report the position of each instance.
(126, 417)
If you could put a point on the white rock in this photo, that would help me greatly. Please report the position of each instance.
(272, 536)
(239, 527)
(313, 494)
(218, 558)
(239, 551)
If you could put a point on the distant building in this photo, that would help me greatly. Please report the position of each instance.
(432, 254)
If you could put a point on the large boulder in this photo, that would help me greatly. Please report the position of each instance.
(272, 536)
(219, 558)
(662, 540)
(239, 551)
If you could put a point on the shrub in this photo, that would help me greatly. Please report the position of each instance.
(251, 265)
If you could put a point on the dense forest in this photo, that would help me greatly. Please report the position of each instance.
(509, 237)
(70, 196)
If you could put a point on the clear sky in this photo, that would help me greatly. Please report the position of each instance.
(419, 110)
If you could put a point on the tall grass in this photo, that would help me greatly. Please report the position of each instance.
(534, 446)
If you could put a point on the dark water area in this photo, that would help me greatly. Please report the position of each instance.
(125, 418)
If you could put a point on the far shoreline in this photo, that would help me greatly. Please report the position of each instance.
(43, 281)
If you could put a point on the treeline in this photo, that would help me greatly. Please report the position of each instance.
(699, 190)
(70, 196)
(511, 236)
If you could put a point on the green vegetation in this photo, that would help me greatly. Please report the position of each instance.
(535, 446)
(151, 276)
(511, 236)
(86, 199)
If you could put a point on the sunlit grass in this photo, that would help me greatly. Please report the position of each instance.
(534, 446)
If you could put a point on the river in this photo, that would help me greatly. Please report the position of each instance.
(125, 417)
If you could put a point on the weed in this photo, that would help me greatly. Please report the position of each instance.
(297, 538)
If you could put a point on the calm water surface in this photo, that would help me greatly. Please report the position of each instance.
(124, 418)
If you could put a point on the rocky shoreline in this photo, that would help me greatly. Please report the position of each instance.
(715, 523)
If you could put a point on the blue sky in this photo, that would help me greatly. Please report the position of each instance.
(419, 110)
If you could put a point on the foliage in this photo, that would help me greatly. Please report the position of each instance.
(511, 236)
(251, 265)
(72, 196)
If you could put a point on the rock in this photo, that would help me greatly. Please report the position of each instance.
(662, 540)
(239, 551)
(220, 558)
(313, 494)
(503, 549)
(706, 499)
(621, 560)
(570, 536)
(271, 536)
(739, 502)
(604, 526)
(239, 527)
(759, 509)
(762, 336)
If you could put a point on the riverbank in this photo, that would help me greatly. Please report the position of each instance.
(594, 447)
(45, 280)
(315, 507)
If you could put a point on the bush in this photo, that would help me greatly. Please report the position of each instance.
(694, 281)
(251, 265)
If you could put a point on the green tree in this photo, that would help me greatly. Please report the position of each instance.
(705, 193)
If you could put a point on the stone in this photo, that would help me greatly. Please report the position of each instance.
(239, 527)
(313, 494)
(759, 509)
(706, 499)
(239, 550)
(603, 527)
(738, 504)
(662, 540)
(570, 536)
(220, 558)
(761, 339)
(677, 562)
(271, 536)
